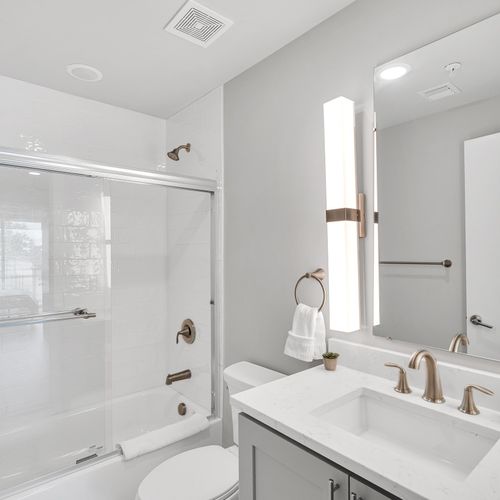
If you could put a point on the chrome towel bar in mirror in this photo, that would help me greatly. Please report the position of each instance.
(444, 263)
(319, 275)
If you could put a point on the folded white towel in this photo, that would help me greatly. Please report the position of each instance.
(159, 438)
(307, 338)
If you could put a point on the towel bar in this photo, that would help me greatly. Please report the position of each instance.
(318, 275)
(444, 263)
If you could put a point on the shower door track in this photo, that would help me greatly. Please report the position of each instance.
(48, 163)
(64, 472)
(58, 474)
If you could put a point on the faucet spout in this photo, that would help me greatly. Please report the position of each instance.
(459, 340)
(433, 390)
(175, 377)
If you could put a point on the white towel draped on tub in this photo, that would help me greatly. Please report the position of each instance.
(159, 438)
(307, 338)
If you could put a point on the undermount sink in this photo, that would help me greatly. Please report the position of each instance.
(428, 436)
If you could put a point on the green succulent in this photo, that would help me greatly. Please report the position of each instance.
(331, 355)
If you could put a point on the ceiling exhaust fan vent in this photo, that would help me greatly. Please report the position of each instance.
(198, 24)
(440, 92)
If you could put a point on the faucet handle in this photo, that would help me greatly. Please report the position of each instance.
(187, 331)
(468, 405)
(402, 386)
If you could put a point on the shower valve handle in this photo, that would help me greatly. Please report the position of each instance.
(187, 331)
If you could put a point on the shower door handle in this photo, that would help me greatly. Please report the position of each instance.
(48, 317)
(476, 320)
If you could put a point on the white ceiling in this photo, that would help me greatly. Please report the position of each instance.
(475, 47)
(145, 68)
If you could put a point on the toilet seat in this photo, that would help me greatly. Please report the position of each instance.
(206, 473)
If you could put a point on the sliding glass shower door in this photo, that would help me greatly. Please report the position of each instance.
(53, 267)
(97, 277)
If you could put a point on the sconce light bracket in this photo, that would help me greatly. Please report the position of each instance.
(350, 214)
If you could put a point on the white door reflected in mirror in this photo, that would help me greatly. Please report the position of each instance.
(482, 243)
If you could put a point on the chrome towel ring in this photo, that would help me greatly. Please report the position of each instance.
(318, 275)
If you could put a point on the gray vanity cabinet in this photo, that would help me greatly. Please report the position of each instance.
(361, 491)
(272, 467)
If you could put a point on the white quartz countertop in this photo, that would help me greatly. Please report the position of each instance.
(287, 405)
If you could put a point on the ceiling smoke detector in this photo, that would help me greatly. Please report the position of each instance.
(198, 24)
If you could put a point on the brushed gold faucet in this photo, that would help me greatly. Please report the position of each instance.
(460, 339)
(433, 391)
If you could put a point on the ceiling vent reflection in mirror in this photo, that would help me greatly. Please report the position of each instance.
(440, 92)
(198, 24)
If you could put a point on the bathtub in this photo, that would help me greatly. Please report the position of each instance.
(101, 472)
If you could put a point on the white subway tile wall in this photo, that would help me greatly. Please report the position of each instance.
(138, 287)
(189, 290)
(42, 120)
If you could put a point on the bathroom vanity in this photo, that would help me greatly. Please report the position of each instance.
(349, 435)
(277, 467)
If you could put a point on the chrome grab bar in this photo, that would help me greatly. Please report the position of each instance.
(77, 313)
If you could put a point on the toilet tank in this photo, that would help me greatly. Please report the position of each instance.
(243, 376)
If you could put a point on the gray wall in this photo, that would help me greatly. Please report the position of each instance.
(274, 159)
(421, 203)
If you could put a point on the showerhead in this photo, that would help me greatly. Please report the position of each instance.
(174, 154)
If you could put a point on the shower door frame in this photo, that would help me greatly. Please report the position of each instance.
(66, 165)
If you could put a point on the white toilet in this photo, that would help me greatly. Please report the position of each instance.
(209, 472)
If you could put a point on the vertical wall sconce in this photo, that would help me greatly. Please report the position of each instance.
(345, 215)
(376, 257)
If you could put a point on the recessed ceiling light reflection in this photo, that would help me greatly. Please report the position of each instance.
(394, 72)
(34, 173)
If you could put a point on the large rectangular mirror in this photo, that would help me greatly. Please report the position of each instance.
(438, 163)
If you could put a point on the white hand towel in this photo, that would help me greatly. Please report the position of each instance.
(306, 340)
(159, 438)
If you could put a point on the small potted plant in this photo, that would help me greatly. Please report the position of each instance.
(330, 360)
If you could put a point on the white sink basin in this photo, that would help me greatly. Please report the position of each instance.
(430, 437)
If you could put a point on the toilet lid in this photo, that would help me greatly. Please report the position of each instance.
(201, 474)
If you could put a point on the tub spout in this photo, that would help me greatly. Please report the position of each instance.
(175, 377)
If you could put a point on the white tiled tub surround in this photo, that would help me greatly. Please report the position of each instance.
(139, 308)
(39, 119)
(293, 406)
(188, 286)
(200, 124)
